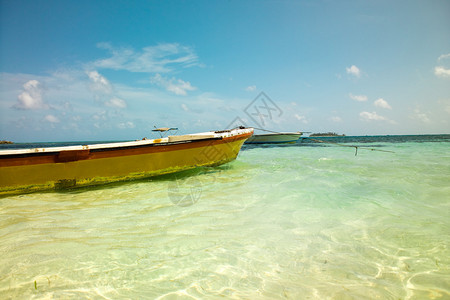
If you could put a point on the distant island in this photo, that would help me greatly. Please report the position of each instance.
(327, 134)
(6, 142)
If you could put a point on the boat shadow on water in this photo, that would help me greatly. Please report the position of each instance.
(182, 176)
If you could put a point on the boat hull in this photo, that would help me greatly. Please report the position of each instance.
(22, 173)
(274, 138)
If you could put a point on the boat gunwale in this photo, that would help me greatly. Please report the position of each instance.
(103, 149)
(45, 157)
(118, 146)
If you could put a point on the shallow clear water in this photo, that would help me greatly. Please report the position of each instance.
(297, 222)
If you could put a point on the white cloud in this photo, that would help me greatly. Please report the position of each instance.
(371, 116)
(301, 118)
(336, 119)
(99, 83)
(125, 125)
(444, 56)
(31, 97)
(116, 102)
(103, 90)
(153, 59)
(100, 116)
(353, 70)
(173, 85)
(440, 71)
(418, 115)
(360, 98)
(445, 104)
(184, 107)
(382, 103)
(250, 88)
(51, 119)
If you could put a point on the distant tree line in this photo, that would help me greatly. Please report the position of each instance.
(326, 134)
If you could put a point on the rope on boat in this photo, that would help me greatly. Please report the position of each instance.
(333, 143)
(356, 147)
(266, 130)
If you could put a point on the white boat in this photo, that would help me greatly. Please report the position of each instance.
(274, 138)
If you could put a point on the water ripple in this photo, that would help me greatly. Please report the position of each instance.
(281, 222)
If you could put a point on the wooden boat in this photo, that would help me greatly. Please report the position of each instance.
(274, 138)
(27, 170)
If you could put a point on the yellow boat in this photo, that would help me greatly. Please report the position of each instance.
(28, 170)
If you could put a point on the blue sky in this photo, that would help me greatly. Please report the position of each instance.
(111, 70)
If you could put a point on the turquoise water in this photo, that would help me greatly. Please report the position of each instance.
(301, 221)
